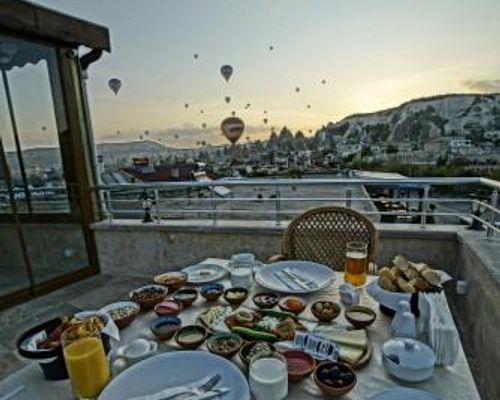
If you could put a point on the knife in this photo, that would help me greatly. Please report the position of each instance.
(306, 281)
(284, 281)
(210, 395)
(296, 280)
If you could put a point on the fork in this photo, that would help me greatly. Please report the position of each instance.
(196, 391)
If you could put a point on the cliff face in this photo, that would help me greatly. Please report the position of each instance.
(422, 120)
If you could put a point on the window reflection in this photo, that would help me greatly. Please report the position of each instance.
(31, 122)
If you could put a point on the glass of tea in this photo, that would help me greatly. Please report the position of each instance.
(356, 264)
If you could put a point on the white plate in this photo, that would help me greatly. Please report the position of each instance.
(204, 273)
(405, 393)
(173, 369)
(320, 274)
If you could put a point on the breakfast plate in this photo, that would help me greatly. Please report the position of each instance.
(296, 277)
(204, 273)
(174, 369)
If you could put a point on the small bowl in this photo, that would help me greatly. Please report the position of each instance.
(360, 317)
(326, 386)
(186, 296)
(245, 350)
(165, 327)
(173, 280)
(265, 300)
(190, 330)
(292, 304)
(212, 291)
(331, 312)
(217, 339)
(300, 364)
(137, 350)
(148, 296)
(168, 307)
(236, 295)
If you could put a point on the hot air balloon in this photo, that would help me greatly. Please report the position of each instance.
(186, 105)
(265, 120)
(44, 128)
(118, 132)
(176, 136)
(227, 99)
(201, 111)
(247, 106)
(115, 84)
(323, 81)
(195, 55)
(204, 125)
(310, 131)
(297, 89)
(265, 111)
(203, 142)
(233, 113)
(308, 106)
(248, 138)
(226, 71)
(141, 137)
(146, 133)
(271, 48)
(232, 128)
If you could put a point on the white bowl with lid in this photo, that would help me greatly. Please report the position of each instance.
(408, 359)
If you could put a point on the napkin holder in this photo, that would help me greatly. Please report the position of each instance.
(319, 348)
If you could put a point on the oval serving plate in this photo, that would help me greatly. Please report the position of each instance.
(205, 273)
(272, 276)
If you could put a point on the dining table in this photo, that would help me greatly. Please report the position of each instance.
(451, 383)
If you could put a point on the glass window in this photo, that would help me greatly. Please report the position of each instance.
(32, 121)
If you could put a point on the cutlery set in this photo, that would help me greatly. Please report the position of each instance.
(202, 389)
(293, 279)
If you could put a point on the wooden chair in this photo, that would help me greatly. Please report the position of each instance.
(321, 234)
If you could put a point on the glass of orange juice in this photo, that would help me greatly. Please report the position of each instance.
(356, 264)
(88, 367)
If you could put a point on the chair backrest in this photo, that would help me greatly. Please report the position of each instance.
(321, 234)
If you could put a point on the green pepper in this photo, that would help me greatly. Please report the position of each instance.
(279, 314)
(253, 334)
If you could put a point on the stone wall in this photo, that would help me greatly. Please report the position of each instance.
(146, 249)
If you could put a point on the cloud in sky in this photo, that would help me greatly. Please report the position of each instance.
(485, 85)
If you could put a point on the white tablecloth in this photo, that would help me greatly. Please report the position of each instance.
(452, 383)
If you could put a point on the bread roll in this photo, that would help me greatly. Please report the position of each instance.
(431, 276)
(386, 273)
(397, 272)
(405, 286)
(401, 262)
(386, 284)
(420, 284)
(419, 267)
(411, 273)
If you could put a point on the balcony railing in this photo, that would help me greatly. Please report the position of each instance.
(174, 199)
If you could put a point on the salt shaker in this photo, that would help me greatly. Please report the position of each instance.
(407, 329)
(403, 306)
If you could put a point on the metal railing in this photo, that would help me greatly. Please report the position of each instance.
(173, 199)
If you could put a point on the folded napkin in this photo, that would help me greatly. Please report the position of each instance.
(442, 334)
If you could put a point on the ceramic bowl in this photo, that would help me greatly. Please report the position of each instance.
(325, 311)
(236, 295)
(174, 280)
(168, 307)
(165, 328)
(224, 344)
(334, 378)
(265, 300)
(137, 350)
(300, 365)
(245, 350)
(148, 296)
(360, 317)
(292, 304)
(212, 291)
(191, 337)
(186, 296)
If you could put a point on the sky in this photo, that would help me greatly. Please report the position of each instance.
(373, 54)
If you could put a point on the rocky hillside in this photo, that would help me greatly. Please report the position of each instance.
(474, 116)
